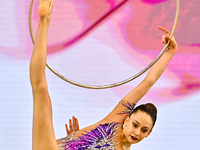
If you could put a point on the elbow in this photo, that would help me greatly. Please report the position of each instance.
(38, 82)
(150, 81)
(39, 86)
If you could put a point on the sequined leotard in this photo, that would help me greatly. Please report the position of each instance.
(100, 138)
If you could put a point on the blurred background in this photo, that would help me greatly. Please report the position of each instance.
(100, 42)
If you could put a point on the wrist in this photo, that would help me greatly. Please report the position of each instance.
(171, 51)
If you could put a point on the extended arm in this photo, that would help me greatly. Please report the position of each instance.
(43, 133)
(154, 74)
(156, 71)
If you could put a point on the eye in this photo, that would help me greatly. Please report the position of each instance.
(135, 125)
(144, 130)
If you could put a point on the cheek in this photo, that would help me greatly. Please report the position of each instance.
(144, 135)
(129, 130)
(130, 127)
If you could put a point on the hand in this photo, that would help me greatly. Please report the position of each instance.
(165, 38)
(73, 126)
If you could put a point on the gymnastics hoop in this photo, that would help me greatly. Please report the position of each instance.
(117, 83)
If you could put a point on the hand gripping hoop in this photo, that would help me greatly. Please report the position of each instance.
(113, 84)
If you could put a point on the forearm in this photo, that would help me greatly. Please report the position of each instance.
(38, 60)
(159, 67)
(156, 71)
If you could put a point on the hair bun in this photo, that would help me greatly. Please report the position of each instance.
(152, 107)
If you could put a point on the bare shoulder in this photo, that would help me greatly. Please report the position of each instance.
(120, 112)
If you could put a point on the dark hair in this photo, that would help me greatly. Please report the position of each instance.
(148, 108)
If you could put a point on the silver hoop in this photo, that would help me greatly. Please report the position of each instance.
(114, 84)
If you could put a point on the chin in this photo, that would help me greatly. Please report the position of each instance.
(135, 142)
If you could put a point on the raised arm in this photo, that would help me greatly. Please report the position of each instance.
(43, 133)
(154, 74)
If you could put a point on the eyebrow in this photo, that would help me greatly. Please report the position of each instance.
(139, 124)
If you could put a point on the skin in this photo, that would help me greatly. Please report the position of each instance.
(137, 127)
(73, 126)
(43, 131)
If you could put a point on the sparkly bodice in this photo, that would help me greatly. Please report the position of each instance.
(100, 138)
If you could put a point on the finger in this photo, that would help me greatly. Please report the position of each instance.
(169, 38)
(164, 30)
(164, 40)
(172, 41)
(74, 123)
(70, 124)
(77, 124)
(67, 130)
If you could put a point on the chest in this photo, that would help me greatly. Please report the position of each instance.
(102, 137)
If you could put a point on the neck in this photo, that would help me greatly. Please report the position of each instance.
(124, 143)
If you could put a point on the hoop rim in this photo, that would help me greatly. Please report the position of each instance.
(113, 84)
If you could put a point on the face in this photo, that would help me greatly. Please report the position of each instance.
(137, 127)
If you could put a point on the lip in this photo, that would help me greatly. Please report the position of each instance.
(134, 138)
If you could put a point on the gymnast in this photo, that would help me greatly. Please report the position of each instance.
(122, 127)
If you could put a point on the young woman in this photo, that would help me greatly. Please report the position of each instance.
(120, 129)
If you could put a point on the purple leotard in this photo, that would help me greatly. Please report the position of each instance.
(100, 138)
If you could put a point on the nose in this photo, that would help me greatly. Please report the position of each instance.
(137, 132)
